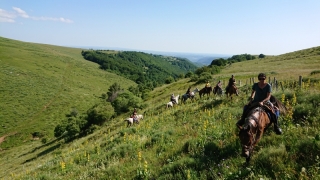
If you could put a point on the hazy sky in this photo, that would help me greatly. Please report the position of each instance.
(270, 27)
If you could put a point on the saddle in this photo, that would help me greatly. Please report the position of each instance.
(266, 107)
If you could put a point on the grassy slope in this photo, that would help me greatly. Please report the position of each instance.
(171, 141)
(41, 83)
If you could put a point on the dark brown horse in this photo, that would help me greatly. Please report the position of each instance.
(231, 90)
(257, 121)
(217, 90)
(205, 90)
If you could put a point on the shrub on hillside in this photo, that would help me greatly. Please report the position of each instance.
(169, 80)
(204, 77)
(99, 113)
(60, 129)
(188, 75)
(125, 102)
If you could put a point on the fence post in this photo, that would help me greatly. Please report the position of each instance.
(300, 81)
(281, 86)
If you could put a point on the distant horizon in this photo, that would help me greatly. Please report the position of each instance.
(141, 50)
(211, 27)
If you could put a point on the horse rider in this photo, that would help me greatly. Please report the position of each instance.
(134, 115)
(173, 99)
(207, 86)
(261, 93)
(219, 84)
(232, 82)
(188, 93)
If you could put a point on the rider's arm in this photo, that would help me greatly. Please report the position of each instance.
(267, 98)
(252, 95)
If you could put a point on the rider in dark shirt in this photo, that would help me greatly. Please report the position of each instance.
(261, 93)
(188, 93)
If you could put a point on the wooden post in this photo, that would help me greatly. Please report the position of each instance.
(300, 81)
(253, 80)
(269, 81)
(281, 86)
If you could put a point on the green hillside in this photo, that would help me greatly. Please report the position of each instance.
(195, 140)
(146, 69)
(41, 83)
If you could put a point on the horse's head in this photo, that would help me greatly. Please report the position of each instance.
(246, 139)
(195, 90)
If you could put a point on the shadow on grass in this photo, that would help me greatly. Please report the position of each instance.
(212, 104)
(209, 158)
(50, 149)
(44, 145)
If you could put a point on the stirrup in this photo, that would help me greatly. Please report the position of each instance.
(278, 130)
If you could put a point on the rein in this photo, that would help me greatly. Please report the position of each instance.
(250, 124)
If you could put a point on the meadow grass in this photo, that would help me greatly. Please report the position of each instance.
(41, 83)
(195, 140)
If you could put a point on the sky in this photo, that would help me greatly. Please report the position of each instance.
(271, 27)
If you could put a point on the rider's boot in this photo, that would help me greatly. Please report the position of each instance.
(277, 129)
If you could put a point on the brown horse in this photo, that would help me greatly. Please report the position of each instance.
(217, 90)
(257, 121)
(205, 90)
(231, 90)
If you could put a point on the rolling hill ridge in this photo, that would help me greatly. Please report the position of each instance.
(194, 140)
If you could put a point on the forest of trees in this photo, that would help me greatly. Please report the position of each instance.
(234, 58)
(144, 69)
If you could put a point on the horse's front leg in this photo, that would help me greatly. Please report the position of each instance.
(258, 136)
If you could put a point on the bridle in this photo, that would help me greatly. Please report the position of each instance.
(252, 123)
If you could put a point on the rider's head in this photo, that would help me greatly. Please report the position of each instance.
(232, 75)
(262, 75)
(219, 80)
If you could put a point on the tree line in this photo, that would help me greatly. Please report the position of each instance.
(145, 69)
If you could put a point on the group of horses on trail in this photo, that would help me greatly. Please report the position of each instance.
(218, 91)
(257, 118)
(204, 91)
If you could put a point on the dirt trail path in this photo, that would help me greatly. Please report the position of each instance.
(4, 137)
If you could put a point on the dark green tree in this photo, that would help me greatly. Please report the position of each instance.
(262, 56)
(113, 92)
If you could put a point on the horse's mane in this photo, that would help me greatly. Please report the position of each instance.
(278, 104)
(254, 109)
